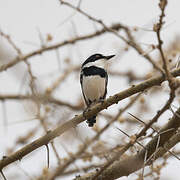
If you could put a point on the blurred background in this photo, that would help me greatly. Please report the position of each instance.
(43, 91)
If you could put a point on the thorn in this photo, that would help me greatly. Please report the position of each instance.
(4, 177)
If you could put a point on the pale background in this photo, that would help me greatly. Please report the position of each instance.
(23, 20)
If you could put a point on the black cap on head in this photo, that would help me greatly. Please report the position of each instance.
(95, 57)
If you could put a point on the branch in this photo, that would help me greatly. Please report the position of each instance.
(42, 98)
(157, 28)
(87, 144)
(133, 163)
(135, 137)
(80, 118)
(168, 145)
(21, 58)
(131, 42)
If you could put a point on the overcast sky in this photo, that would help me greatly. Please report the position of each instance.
(24, 19)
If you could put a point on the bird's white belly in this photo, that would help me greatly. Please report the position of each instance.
(94, 87)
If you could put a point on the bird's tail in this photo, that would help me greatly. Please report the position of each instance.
(91, 121)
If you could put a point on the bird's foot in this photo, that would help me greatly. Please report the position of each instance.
(90, 124)
(91, 121)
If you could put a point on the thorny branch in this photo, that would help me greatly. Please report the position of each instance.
(80, 118)
(55, 46)
(135, 138)
(157, 29)
(87, 144)
(131, 42)
(166, 138)
(133, 163)
(162, 5)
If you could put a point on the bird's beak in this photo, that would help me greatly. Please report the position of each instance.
(109, 57)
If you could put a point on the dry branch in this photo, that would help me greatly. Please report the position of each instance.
(21, 58)
(43, 99)
(133, 163)
(131, 41)
(135, 137)
(62, 167)
(78, 119)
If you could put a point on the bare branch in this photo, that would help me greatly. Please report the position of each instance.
(87, 144)
(131, 40)
(131, 164)
(80, 118)
(44, 99)
(55, 46)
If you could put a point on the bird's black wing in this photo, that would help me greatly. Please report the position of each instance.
(81, 81)
(106, 77)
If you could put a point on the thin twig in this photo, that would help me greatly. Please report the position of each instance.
(131, 138)
(131, 40)
(4, 177)
(159, 133)
(56, 46)
(42, 98)
(157, 28)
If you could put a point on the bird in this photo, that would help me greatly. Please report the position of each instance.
(94, 80)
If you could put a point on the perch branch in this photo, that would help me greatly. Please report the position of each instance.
(80, 118)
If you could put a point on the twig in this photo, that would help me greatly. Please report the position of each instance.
(159, 133)
(10, 42)
(132, 138)
(43, 98)
(131, 40)
(60, 79)
(157, 28)
(55, 46)
(4, 177)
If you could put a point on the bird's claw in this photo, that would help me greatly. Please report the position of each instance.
(91, 122)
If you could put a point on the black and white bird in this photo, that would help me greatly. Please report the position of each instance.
(94, 79)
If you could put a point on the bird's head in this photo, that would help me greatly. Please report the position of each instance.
(97, 60)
